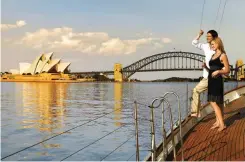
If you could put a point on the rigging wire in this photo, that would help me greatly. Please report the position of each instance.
(222, 16)
(217, 14)
(202, 13)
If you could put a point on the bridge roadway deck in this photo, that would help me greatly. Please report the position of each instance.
(145, 70)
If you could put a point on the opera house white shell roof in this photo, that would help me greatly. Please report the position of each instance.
(43, 63)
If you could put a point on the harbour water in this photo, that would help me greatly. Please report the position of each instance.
(81, 121)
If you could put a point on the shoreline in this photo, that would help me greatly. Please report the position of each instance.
(93, 81)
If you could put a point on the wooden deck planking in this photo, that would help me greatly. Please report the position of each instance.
(206, 144)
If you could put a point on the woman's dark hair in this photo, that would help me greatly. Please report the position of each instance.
(213, 33)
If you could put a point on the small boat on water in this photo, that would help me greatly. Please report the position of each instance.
(193, 140)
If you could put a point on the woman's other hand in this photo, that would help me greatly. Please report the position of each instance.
(215, 74)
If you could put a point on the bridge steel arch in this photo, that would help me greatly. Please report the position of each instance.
(168, 61)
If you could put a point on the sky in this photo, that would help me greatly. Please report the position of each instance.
(93, 34)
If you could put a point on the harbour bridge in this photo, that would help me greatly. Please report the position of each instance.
(168, 61)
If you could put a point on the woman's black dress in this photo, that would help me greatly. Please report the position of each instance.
(215, 85)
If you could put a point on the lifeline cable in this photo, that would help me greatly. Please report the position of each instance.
(57, 135)
(93, 142)
(117, 147)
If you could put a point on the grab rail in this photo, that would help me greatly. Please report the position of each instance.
(161, 100)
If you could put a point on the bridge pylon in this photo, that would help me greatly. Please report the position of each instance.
(118, 76)
(240, 71)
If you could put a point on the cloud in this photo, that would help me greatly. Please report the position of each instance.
(18, 24)
(166, 40)
(65, 39)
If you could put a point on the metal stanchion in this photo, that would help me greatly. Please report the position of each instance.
(136, 131)
(187, 99)
(180, 127)
(153, 142)
(164, 134)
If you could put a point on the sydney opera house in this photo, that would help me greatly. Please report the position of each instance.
(44, 63)
(43, 68)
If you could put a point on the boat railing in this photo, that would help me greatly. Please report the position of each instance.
(157, 103)
(167, 110)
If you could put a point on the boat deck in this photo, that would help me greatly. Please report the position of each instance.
(202, 143)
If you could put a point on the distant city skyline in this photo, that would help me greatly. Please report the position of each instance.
(93, 35)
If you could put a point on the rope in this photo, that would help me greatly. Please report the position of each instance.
(222, 16)
(202, 13)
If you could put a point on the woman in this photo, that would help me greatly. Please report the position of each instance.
(215, 81)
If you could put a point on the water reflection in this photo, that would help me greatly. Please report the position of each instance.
(44, 109)
(43, 105)
(118, 103)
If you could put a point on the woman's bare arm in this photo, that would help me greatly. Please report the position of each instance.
(225, 61)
